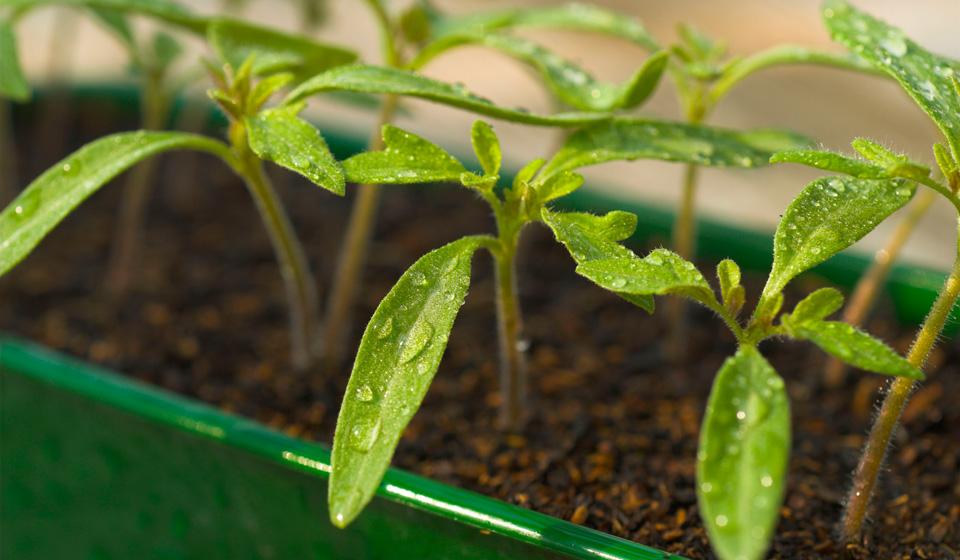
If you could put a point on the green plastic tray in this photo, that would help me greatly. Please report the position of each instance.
(95, 465)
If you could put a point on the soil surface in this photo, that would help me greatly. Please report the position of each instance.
(612, 439)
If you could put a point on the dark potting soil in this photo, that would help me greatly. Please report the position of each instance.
(613, 431)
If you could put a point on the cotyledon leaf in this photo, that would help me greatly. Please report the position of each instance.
(13, 85)
(573, 16)
(928, 78)
(273, 51)
(376, 79)
(398, 357)
(829, 215)
(588, 237)
(628, 139)
(852, 346)
(53, 195)
(570, 83)
(406, 158)
(280, 136)
(662, 272)
(742, 459)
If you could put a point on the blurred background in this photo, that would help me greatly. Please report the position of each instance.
(831, 106)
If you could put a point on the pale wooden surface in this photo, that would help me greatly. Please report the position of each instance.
(828, 105)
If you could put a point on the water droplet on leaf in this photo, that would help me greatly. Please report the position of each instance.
(365, 433)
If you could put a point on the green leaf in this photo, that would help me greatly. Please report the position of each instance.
(831, 161)
(53, 195)
(928, 78)
(166, 49)
(280, 136)
(415, 24)
(742, 460)
(570, 83)
(375, 79)
(881, 162)
(731, 292)
(945, 161)
(406, 158)
(574, 16)
(487, 147)
(558, 185)
(267, 87)
(589, 238)
(273, 51)
(166, 11)
(662, 272)
(13, 85)
(852, 346)
(829, 215)
(817, 306)
(398, 357)
(630, 139)
(782, 55)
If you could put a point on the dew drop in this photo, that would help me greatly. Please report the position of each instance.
(721, 521)
(618, 282)
(815, 250)
(418, 278)
(364, 393)
(895, 45)
(927, 90)
(18, 210)
(706, 487)
(741, 415)
(385, 328)
(654, 260)
(365, 433)
(416, 341)
(766, 481)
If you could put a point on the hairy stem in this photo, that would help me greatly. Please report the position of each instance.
(294, 269)
(8, 159)
(868, 288)
(353, 255)
(684, 244)
(865, 477)
(127, 240)
(513, 364)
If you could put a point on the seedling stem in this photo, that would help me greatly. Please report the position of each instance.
(865, 477)
(128, 238)
(294, 269)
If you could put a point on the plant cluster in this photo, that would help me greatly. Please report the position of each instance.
(262, 79)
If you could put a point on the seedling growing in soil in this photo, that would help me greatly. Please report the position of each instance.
(933, 82)
(402, 345)
(415, 37)
(745, 436)
(277, 134)
(273, 134)
(703, 74)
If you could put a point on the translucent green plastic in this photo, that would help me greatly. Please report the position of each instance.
(95, 465)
